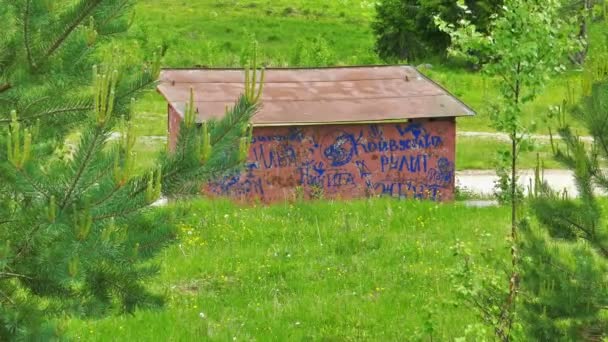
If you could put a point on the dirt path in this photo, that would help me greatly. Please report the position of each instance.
(505, 137)
(481, 182)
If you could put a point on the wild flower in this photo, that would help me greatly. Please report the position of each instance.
(190, 236)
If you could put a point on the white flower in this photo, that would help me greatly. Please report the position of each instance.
(202, 315)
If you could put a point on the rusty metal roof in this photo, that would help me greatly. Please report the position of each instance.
(316, 96)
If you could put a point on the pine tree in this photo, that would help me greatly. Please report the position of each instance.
(405, 29)
(564, 283)
(76, 227)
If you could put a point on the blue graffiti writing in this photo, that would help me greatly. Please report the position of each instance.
(295, 134)
(413, 164)
(230, 185)
(444, 174)
(347, 145)
(341, 151)
(408, 190)
(281, 156)
(364, 171)
(375, 132)
(421, 138)
(251, 167)
(326, 179)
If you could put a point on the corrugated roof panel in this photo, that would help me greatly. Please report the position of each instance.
(317, 96)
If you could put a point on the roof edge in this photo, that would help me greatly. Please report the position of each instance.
(457, 98)
(295, 68)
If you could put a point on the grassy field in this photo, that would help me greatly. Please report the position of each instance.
(482, 154)
(365, 270)
(216, 33)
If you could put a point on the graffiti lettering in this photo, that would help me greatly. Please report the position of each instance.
(364, 171)
(408, 190)
(421, 138)
(328, 179)
(444, 174)
(230, 185)
(411, 160)
(295, 134)
(413, 164)
(281, 156)
(347, 145)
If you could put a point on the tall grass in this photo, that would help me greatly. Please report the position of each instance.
(363, 270)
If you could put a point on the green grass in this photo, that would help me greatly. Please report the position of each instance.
(363, 270)
(216, 32)
(482, 154)
(480, 92)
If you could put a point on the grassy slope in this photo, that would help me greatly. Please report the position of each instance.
(368, 270)
(214, 33)
(482, 154)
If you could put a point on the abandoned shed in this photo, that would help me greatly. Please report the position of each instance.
(332, 132)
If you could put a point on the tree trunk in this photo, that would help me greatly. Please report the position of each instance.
(579, 57)
(4, 87)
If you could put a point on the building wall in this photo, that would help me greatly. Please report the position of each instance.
(173, 122)
(404, 160)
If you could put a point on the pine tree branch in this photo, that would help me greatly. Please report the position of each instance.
(83, 166)
(7, 298)
(116, 13)
(33, 183)
(35, 102)
(25, 245)
(50, 112)
(591, 236)
(13, 275)
(4, 87)
(71, 27)
(106, 197)
(26, 34)
(136, 89)
(120, 213)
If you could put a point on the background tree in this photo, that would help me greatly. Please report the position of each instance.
(405, 29)
(75, 229)
(583, 12)
(564, 285)
(526, 44)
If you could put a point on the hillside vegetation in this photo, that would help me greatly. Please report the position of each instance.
(365, 270)
(215, 33)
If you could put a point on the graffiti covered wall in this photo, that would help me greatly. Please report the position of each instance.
(404, 160)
